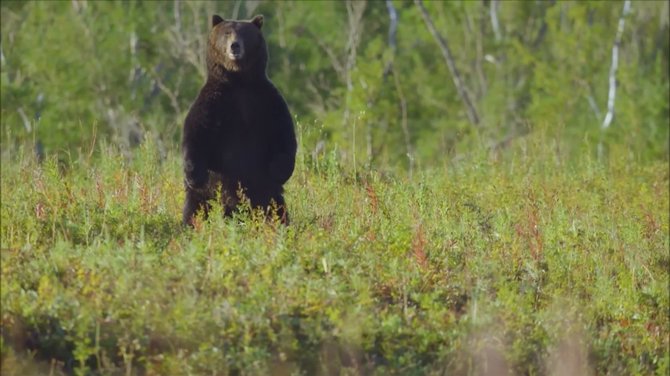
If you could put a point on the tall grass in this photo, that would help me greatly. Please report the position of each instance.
(517, 263)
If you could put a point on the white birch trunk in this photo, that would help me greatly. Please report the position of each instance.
(613, 68)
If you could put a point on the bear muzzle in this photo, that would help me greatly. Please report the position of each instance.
(236, 50)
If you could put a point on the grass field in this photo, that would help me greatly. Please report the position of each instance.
(522, 263)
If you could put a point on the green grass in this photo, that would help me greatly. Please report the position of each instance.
(522, 263)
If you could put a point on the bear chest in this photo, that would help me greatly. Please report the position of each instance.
(242, 133)
(242, 112)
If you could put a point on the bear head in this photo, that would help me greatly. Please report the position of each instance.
(236, 48)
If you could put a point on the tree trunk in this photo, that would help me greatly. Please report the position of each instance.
(448, 58)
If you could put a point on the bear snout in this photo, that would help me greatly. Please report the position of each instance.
(235, 47)
(236, 50)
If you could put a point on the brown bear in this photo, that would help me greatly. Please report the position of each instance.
(238, 133)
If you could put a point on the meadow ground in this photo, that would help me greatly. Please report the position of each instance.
(523, 263)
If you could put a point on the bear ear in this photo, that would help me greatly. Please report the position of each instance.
(216, 19)
(258, 21)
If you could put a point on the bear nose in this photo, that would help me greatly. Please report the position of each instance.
(235, 47)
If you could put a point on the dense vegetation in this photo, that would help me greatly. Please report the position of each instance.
(526, 264)
(531, 241)
(76, 72)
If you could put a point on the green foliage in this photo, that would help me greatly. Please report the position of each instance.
(80, 72)
(519, 262)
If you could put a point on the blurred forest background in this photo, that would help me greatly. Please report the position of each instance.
(367, 81)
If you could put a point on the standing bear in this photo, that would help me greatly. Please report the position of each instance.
(238, 133)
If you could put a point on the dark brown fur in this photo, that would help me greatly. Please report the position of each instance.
(238, 133)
